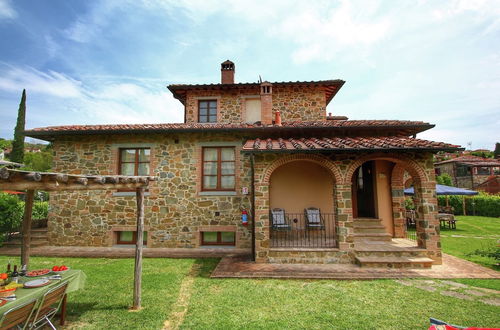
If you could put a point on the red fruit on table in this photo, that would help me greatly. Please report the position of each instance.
(55, 268)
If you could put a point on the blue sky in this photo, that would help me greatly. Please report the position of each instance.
(96, 62)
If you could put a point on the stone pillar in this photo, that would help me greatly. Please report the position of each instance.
(428, 231)
(262, 239)
(398, 211)
(344, 217)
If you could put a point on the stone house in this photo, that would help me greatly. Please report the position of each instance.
(468, 171)
(268, 149)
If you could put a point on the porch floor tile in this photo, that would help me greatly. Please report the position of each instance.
(452, 267)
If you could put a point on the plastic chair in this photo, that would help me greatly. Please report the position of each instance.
(49, 305)
(18, 316)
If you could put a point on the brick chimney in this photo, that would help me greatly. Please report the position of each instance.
(266, 103)
(227, 72)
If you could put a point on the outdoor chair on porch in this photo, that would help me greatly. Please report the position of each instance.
(50, 304)
(17, 317)
(314, 220)
(279, 219)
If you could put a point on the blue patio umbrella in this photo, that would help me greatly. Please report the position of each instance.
(446, 190)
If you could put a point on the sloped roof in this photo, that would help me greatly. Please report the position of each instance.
(331, 87)
(400, 143)
(401, 126)
(471, 161)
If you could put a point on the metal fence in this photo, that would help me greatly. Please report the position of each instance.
(301, 231)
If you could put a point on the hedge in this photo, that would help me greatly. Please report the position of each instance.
(483, 204)
(12, 211)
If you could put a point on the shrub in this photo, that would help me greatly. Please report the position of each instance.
(483, 204)
(11, 214)
(444, 179)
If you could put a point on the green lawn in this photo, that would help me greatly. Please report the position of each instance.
(256, 304)
(473, 236)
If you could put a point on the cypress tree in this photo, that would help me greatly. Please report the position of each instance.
(497, 150)
(17, 153)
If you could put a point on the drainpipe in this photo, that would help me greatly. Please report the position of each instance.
(252, 174)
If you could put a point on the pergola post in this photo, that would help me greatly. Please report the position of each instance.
(26, 227)
(138, 248)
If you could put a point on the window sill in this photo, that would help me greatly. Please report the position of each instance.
(127, 193)
(217, 193)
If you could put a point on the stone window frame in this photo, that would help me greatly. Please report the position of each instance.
(115, 160)
(199, 165)
(197, 100)
(237, 236)
(243, 105)
(113, 236)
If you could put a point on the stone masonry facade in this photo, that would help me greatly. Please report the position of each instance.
(176, 211)
(294, 103)
(342, 167)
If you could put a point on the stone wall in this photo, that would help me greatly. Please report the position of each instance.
(294, 103)
(175, 209)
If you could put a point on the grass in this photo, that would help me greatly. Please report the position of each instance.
(252, 303)
(107, 296)
(271, 303)
(475, 234)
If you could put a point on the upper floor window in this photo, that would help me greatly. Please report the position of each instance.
(207, 111)
(134, 161)
(218, 169)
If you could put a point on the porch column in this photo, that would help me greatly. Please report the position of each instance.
(345, 222)
(428, 223)
(262, 243)
(398, 210)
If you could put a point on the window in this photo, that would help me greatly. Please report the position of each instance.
(134, 161)
(218, 169)
(217, 238)
(463, 170)
(252, 110)
(129, 237)
(207, 111)
(483, 170)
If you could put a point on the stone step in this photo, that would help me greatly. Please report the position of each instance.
(370, 224)
(39, 230)
(401, 253)
(367, 220)
(394, 262)
(367, 230)
(384, 237)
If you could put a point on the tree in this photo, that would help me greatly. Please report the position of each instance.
(444, 179)
(17, 153)
(497, 150)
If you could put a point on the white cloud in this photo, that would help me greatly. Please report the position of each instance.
(90, 25)
(92, 101)
(15, 79)
(6, 10)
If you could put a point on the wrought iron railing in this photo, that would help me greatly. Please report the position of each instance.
(300, 231)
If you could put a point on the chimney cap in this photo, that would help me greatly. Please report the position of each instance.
(227, 65)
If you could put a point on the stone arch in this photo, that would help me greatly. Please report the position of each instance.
(320, 160)
(408, 164)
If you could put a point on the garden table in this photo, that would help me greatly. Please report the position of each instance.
(76, 280)
(446, 218)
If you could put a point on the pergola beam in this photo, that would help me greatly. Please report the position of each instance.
(24, 180)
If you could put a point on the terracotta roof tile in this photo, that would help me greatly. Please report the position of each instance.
(345, 143)
(471, 160)
(123, 128)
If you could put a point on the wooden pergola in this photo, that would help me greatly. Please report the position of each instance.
(32, 181)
